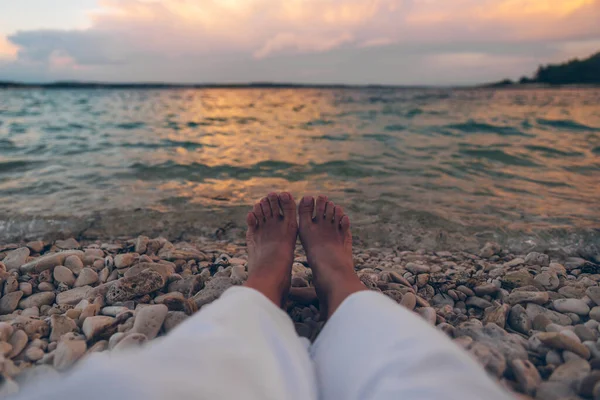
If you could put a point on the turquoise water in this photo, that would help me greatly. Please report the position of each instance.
(508, 159)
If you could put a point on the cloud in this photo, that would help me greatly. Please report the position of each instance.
(8, 51)
(196, 40)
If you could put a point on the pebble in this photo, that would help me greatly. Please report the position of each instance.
(60, 325)
(143, 283)
(527, 376)
(478, 302)
(595, 313)
(560, 341)
(64, 275)
(6, 330)
(417, 268)
(68, 352)
(130, 340)
(73, 296)
(5, 348)
(528, 297)
(519, 320)
(34, 354)
(575, 306)
(15, 258)
(18, 341)
(9, 302)
(593, 292)
(586, 388)
(486, 289)
(74, 264)
(93, 326)
(173, 319)
(548, 280)
(149, 320)
(37, 300)
(87, 276)
(571, 372)
(428, 314)
(409, 300)
(26, 288)
(49, 261)
(124, 260)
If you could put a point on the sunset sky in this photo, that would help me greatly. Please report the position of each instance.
(305, 41)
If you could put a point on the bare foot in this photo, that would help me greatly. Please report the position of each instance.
(328, 244)
(271, 238)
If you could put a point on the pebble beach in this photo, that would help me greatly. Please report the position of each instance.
(531, 320)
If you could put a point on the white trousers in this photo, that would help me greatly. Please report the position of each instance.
(242, 346)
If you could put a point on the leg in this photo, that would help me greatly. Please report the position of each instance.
(242, 346)
(371, 347)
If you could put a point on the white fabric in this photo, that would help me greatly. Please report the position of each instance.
(243, 347)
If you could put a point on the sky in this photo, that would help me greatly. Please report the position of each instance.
(402, 42)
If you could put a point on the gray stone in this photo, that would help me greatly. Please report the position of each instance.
(141, 244)
(130, 340)
(490, 249)
(442, 299)
(73, 296)
(575, 306)
(595, 313)
(586, 389)
(149, 320)
(15, 258)
(584, 333)
(93, 326)
(517, 279)
(64, 275)
(428, 314)
(533, 310)
(571, 372)
(67, 244)
(491, 359)
(549, 280)
(417, 268)
(485, 289)
(560, 341)
(68, 352)
(9, 302)
(74, 264)
(38, 300)
(26, 288)
(527, 376)
(145, 282)
(555, 391)
(513, 263)
(409, 300)
(18, 341)
(534, 258)
(61, 325)
(87, 276)
(34, 354)
(173, 319)
(518, 297)
(125, 260)
(48, 261)
(478, 302)
(212, 291)
(496, 314)
(33, 327)
(519, 320)
(553, 357)
(6, 330)
(593, 292)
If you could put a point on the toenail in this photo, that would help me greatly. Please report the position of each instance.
(285, 196)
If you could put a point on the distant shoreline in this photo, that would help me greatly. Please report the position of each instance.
(270, 85)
